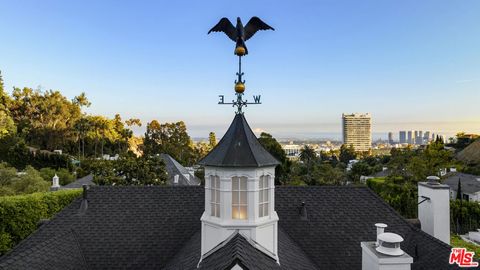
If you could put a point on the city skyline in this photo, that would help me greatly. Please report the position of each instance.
(413, 65)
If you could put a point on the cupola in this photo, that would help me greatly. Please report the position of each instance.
(239, 191)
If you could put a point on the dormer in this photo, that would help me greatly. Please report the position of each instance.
(239, 191)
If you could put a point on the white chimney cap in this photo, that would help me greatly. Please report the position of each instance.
(389, 244)
(390, 237)
(433, 178)
(381, 225)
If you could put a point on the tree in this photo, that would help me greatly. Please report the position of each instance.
(275, 149)
(81, 100)
(7, 126)
(4, 98)
(169, 138)
(29, 181)
(44, 119)
(200, 150)
(347, 153)
(307, 154)
(133, 122)
(459, 190)
(212, 140)
(128, 170)
(360, 169)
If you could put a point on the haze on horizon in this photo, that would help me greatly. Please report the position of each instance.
(412, 64)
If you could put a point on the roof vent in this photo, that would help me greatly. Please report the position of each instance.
(303, 212)
(380, 229)
(433, 180)
(84, 203)
(389, 244)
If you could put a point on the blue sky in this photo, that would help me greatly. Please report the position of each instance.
(412, 64)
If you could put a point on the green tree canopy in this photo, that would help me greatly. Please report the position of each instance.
(169, 138)
(212, 139)
(347, 153)
(275, 149)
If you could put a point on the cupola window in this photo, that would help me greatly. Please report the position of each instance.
(215, 196)
(239, 198)
(263, 191)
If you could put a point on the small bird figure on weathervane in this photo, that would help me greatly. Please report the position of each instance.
(240, 34)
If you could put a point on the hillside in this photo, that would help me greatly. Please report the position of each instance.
(471, 154)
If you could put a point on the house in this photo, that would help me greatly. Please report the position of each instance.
(238, 220)
(177, 174)
(80, 182)
(470, 186)
(77, 184)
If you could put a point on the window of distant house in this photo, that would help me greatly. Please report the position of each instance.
(215, 196)
(239, 198)
(263, 189)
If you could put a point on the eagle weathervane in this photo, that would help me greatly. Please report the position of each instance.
(239, 35)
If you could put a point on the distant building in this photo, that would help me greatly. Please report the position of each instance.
(426, 136)
(78, 183)
(390, 138)
(177, 174)
(292, 150)
(419, 137)
(410, 137)
(357, 131)
(470, 186)
(402, 136)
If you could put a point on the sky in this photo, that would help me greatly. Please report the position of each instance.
(411, 64)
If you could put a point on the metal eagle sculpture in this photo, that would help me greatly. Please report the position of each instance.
(240, 34)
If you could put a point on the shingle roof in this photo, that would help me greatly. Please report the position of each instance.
(60, 252)
(339, 218)
(174, 168)
(87, 180)
(159, 228)
(470, 182)
(239, 147)
(241, 251)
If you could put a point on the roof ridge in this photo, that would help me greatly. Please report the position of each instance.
(244, 121)
(77, 242)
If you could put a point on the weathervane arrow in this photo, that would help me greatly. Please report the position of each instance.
(239, 35)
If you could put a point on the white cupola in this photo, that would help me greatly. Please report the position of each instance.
(239, 191)
(55, 182)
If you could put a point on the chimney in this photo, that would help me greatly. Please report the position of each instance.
(385, 253)
(55, 183)
(434, 208)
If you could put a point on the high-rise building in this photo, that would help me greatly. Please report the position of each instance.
(357, 130)
(426, 137)
(419, 137)
(402, 136)
(410, 137)
(390, 137)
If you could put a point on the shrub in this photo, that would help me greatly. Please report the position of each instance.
(20, 214)
(464, 216)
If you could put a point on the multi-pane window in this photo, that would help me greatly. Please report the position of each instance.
(264, 188)
(215, 196)
(239, 198)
